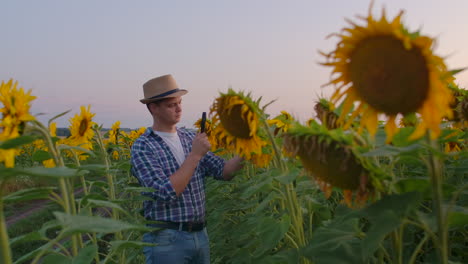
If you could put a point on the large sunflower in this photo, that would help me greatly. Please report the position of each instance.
(390, 71)
(15, 113)
(237, 119)
(330, 158)
(81, 129)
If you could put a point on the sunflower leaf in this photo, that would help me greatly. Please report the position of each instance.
(455, 71)
(16, 142)
(57, 116)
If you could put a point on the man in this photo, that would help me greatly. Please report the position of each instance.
(174, 162)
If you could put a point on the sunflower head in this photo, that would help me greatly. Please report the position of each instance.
(114, 133)
(236, 117)
(81, 130)
(330, 159)
(16, 104)
(386, 69)
(460, 104)
(210, 132)
(281, 122)
(324, 111)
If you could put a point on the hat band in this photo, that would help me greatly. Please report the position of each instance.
(165, 94)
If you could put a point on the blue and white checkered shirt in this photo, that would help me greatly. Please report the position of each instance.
(152, 164)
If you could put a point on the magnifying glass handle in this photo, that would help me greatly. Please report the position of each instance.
(203, 121)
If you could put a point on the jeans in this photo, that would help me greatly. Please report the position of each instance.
(174, 247)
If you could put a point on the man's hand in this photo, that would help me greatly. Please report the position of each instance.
(200, 145)
(180, 179)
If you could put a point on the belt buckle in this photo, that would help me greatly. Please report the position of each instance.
(190, 225)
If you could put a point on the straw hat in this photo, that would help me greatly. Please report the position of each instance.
(161, 87)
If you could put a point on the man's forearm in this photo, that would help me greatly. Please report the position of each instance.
(182, 176)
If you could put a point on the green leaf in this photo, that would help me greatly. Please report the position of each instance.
(86, 255)
(41, 155)
(271, 231)
(287, 178)
(57, 116)
(33, 236)
(271, 196)
(55, 258)
(256, 188)
(119, 245)
(385, 223)
(36, 193)
(139, 189)
(388, 150)
(86, 224)
(335, 243)
(92, 167)
(385, 215)
(421, 185)
(66, 147)
(455, 71)
(16, 142)
(57, 172)
(458, 218)
(400, 204)
(105, 203)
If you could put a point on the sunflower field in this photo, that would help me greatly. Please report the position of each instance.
(378, 175)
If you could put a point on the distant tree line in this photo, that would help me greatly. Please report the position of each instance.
(65, 132)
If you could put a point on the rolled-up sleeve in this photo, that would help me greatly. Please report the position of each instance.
(214, 165)
(148, 170)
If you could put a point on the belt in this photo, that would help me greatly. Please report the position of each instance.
(182, 226)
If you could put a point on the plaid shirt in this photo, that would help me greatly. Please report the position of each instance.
(152, 164)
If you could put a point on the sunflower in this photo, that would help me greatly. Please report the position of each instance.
(329, 157)
(128, 139)
(113, 139)
(15, 113)
(459, 106)
(211, 134)
(81, 129)
(390, 71)
(114, 133)
(237, 118)
(282, 122)
(324, 110)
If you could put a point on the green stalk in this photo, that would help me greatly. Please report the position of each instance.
(82, 178)
(418, 248)
(109, 177)
(291, 197)
(66, 194)
(435, 171)
(4, 240)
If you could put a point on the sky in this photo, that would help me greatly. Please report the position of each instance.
(99, 53)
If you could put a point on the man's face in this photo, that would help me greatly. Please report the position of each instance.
(169, 111)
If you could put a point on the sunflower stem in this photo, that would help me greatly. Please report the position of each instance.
(69, 202)
(109, 176)
(4, 240)
(294, 208)
(435, 171)
(82, 178)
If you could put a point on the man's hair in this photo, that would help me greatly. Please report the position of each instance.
(158, 102)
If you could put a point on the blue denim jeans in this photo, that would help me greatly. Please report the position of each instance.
(174, 247)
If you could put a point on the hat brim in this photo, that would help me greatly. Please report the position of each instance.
(176, 94)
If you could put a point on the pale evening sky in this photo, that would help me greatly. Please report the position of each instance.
(73, 53)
